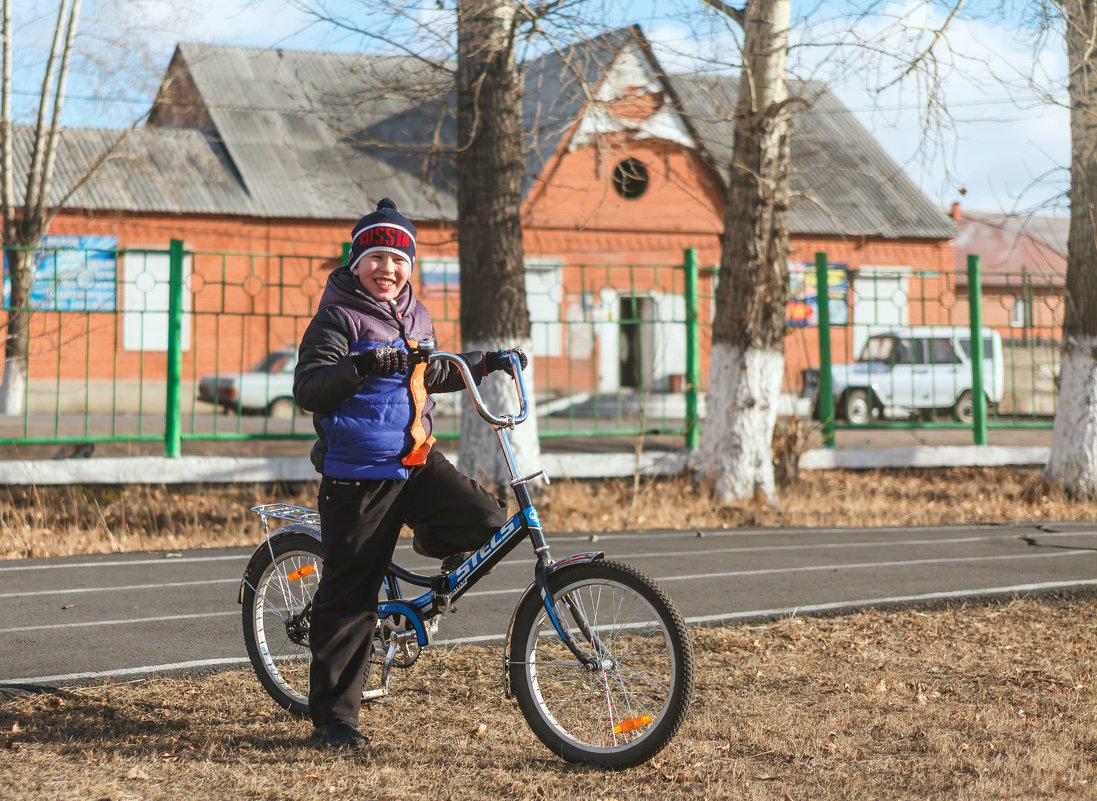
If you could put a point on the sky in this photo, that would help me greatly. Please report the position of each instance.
(1002, 145)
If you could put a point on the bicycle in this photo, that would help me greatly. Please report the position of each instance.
(596, 654)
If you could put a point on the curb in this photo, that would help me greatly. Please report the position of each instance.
(230, 470)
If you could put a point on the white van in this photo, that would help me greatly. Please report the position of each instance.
(903, 371)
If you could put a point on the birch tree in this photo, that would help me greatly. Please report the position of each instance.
(747, 359)
(490, 168)
(24, 226)
(29, 199)
(1073, 461)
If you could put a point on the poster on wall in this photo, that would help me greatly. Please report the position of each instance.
(72, 273)
(803, 302)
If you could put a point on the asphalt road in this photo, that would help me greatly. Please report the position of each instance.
(74, 620)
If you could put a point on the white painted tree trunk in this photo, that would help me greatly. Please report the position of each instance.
(737, 447)
(479, 455)
(13, 387)
(1073, 461)
(747, 361)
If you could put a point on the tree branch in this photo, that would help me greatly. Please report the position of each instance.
(55, 122)
(936, 38)
(737, 14)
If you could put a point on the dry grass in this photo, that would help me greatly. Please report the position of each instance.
(960, 703)
(57, 521)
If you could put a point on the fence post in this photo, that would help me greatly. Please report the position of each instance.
(826, 379)
(693, 351)
(172, 412)
(975, 314)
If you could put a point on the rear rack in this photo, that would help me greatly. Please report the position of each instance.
(285, 511)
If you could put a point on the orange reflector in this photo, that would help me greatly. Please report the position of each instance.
(301, 572)
(631, 724)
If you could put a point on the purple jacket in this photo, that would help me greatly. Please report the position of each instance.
(371, 427)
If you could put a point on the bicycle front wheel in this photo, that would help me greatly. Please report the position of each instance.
(625, 703)
(279, 584)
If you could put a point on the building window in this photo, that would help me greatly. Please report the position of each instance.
(1021, 316)
(630, 178)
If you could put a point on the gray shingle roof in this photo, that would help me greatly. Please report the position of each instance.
(843, 181)
(316, 135)
(178, 171)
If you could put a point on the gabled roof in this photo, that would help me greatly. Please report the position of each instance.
(315, 135)
(843, 181)
(169, 171)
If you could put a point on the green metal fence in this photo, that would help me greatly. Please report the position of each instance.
(907, 354)
(175, 345)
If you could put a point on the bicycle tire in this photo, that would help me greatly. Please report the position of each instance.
(279, 583)
(630, 709)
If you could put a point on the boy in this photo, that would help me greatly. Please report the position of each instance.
(374, 451)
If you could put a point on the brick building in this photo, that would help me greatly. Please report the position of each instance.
(277, 152)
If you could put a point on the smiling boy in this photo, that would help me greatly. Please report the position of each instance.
(372, 415)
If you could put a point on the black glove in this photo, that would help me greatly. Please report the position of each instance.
(383, 361)
(500, 360)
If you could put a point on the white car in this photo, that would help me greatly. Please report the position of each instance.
(265, 389)
(913, 370)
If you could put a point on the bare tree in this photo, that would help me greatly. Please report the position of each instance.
(1073, 461)
(748, 358)
(26, 219)
(23, 228)
(490, 168)
(490, 161)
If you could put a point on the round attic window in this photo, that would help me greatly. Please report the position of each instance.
(630, 178)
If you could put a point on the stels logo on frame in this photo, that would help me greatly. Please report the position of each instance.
(384, 236)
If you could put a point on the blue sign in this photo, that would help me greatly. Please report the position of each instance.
(72, 273)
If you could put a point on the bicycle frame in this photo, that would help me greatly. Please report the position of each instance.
(447, 588)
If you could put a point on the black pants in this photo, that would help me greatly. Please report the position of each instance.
(360, 522)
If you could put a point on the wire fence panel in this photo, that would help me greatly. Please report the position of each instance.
(609, 347)
(610, 344)
(903, 354)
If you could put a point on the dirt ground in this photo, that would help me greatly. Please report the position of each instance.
(965, 703)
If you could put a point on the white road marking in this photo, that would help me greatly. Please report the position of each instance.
(522, 562)
(123, 588)
(658, 579)
(163, 560)
(698, 619)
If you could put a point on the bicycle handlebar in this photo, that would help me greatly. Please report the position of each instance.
(501, 421)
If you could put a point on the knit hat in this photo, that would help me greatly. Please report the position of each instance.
(384, 229)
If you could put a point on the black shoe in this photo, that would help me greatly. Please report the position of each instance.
(454, 561)
(339, 734)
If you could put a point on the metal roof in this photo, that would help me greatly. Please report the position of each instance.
(178, 171)
(843, 181)
(315, 135)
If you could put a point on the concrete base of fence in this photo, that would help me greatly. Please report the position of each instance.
(221, 469)
(923, 456)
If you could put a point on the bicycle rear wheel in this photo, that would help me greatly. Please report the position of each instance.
(627, 707)
(279, 584)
